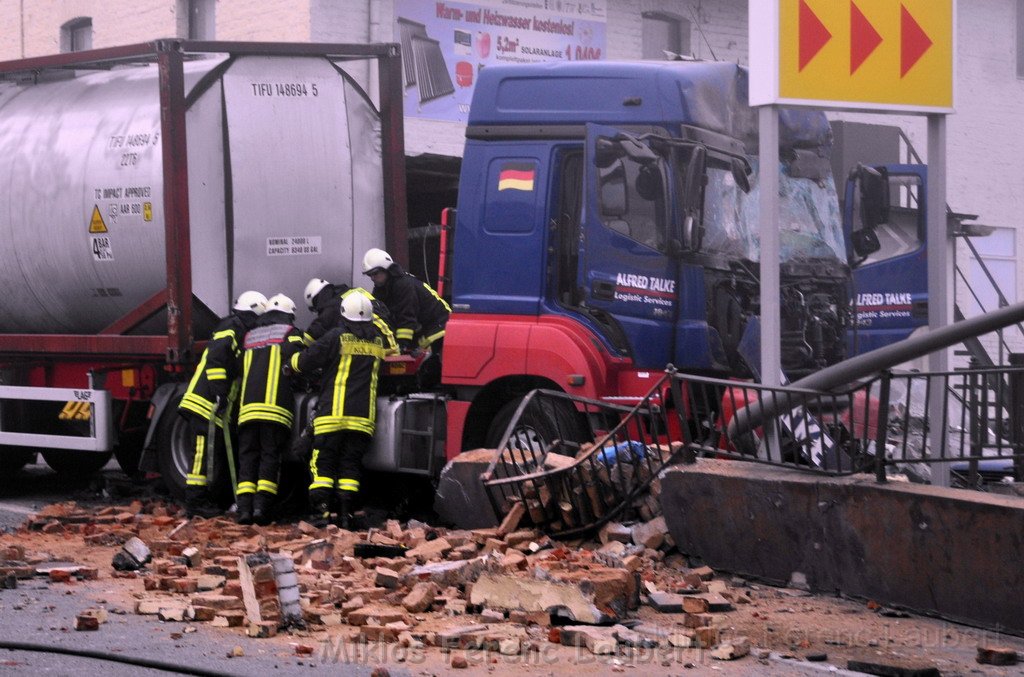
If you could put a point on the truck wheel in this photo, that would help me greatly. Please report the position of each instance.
(173, 452)
(13, 459)
(542, 422)
(72, 463)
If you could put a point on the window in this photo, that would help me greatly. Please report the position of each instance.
(201, 19)
(76, 35)
(633, 200)
(666, 33)
(904, 232)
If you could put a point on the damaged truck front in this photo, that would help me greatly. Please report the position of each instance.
(632, 228)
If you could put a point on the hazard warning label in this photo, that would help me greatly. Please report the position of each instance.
(101, 249)
(96, 224)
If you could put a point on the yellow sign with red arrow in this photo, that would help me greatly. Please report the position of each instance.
(855, 54)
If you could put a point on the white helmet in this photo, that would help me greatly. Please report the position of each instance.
(281, 303)
(376, 258)
(314, 287)
(252, 301)
(357, 308)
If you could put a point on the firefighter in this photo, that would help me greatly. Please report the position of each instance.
(265, 415)
(209, 395)
(322, 298)
(345, 417)
(418, 314)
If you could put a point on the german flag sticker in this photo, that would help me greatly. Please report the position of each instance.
(516, 176)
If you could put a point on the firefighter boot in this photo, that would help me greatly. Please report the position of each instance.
(343, 502)
(198, 504)
(319, 508)
(261, 509)
(245, 514)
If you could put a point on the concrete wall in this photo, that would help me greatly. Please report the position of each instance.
(952, 552)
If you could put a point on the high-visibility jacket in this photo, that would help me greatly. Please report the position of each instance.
(217, 369)
(266, 392)
(350, 357)
(327, 305)
(418, 314)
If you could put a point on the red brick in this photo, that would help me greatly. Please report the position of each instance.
(265, 589)
(84, 622)
(219, 602)
(421, 597)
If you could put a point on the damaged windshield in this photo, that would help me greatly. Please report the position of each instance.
(809, 221)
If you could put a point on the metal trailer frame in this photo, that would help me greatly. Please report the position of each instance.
(170, 55)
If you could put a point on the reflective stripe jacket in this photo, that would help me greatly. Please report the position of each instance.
(217, 369)
(328, 314)
(418, 314)
(266, 392)
(350, 356)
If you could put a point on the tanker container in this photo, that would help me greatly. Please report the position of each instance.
(101, 276)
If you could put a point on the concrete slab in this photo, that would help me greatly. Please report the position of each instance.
(461, 498)
(952, 552)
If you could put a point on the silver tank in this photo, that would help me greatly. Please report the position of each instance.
(284, 155)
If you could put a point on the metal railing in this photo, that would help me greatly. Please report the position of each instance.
(878, 425)
(593, 463)
(576, 463)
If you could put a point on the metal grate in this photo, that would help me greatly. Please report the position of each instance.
(570, 485)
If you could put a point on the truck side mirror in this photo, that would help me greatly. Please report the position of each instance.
(693, 183)
(690, 234)
(606, 152)
(874, 196)
(865, 242)
(741, 172)
(694, 179)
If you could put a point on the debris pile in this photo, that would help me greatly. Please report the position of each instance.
(506, 589)
(561, 494)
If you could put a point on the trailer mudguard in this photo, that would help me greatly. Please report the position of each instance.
(164, 395)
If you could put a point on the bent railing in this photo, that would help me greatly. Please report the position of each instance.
(597, 467)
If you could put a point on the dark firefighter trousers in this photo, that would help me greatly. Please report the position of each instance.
(196, 478)
(336, 466)
(260, 446)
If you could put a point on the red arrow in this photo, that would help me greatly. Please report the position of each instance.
(864, 39)
(913, 41)
(813, 34)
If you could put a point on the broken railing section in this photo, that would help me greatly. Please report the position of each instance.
(567, 485)
(835, 433)
(876, 425)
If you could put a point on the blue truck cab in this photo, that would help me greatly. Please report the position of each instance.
(607, 225)
(887, 240)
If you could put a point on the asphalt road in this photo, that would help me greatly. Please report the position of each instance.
(36, 485)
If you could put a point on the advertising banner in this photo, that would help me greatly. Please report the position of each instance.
(446, 44)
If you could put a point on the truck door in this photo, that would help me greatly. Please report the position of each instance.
(885, 228)
(627, 279)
